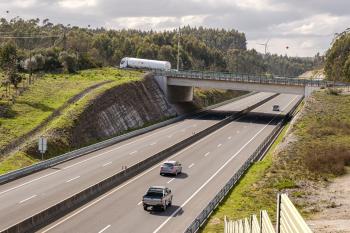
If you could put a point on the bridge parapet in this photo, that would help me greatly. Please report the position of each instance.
(260, 79)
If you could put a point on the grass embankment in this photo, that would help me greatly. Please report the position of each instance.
(44, 97)
(316, 149)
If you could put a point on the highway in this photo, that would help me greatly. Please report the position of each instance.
(207, 165)
(27, 196)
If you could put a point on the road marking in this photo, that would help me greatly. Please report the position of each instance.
(219, 145)
(195, 125)
(229, 138)
(129, 182)
(136, 178)
(72, 179)
(206, 154)
(237, 131)
(104, 229)
(183, 130)
(170, 180)
(139, 203)
(27, 199)
(28, 182)
(153, 143)
(134, 152)
(106, 164)
(191, 165)
(212, 177)
(169, 136)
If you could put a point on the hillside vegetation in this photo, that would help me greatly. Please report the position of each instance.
(48, 94)
(316, 149)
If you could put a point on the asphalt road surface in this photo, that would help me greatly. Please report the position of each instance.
(207, 165)
(29, 195)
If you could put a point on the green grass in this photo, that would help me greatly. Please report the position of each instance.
(47, 94)
(245, 198)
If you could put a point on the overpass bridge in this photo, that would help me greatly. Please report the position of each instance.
(179, 84)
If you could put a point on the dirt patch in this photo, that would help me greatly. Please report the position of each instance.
(333, 202)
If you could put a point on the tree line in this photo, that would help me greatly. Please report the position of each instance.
(44, 46)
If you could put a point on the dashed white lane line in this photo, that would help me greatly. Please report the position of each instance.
(104, 229)
(229, 138)
(195, 125)
(134, 152)
(169, 136)
(191, 165)
(153, 143)
(106, 164)
(206, 154)
(183, 130)
(170, 180)
(219, 145)
(27, 199)
(139, 203)
(77, 177)
(237, 131)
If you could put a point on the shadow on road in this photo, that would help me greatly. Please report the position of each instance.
(168, 212)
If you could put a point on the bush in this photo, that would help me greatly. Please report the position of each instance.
(327, 159)
(68, 61)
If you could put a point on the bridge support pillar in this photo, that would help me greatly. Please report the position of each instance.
(175, 94)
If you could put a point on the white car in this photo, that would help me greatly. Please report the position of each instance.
(171, 167)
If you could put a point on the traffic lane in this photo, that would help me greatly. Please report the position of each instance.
(127, 199)
(138, 192)
(153, 135)
(192, 208)
(36, 201)
(244, 103)
(15, 206)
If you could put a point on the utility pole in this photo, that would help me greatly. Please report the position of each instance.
(178, 50)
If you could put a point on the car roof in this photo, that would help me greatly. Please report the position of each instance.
(157, 187)
(170, 161)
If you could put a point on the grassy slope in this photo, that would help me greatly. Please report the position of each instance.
(325, 122)
(36, 104)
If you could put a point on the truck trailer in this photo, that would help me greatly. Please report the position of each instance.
(138, 63)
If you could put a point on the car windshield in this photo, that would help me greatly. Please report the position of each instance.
(168, 165)
(154, 192)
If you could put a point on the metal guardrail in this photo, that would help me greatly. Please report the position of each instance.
(97, 146)
(261, 79)
(289, 220)
(205, 213)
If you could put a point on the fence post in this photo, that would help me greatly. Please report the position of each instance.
(261, 221)
(278, 222)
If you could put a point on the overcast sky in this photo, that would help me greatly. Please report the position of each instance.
(305, 26)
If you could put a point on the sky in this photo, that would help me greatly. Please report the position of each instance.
(304, 26)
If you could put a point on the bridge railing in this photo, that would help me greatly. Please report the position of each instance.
(261, 79)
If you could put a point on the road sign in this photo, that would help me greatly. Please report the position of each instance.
(42, 146)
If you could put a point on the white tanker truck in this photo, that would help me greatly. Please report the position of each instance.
(138, 63)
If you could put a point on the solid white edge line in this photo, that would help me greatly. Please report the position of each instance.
(104, 229)
(28, 182)
(217, 172)
(27, 199)
(72, 179)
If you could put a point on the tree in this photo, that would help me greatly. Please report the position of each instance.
(68, 61)
(8, 62)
